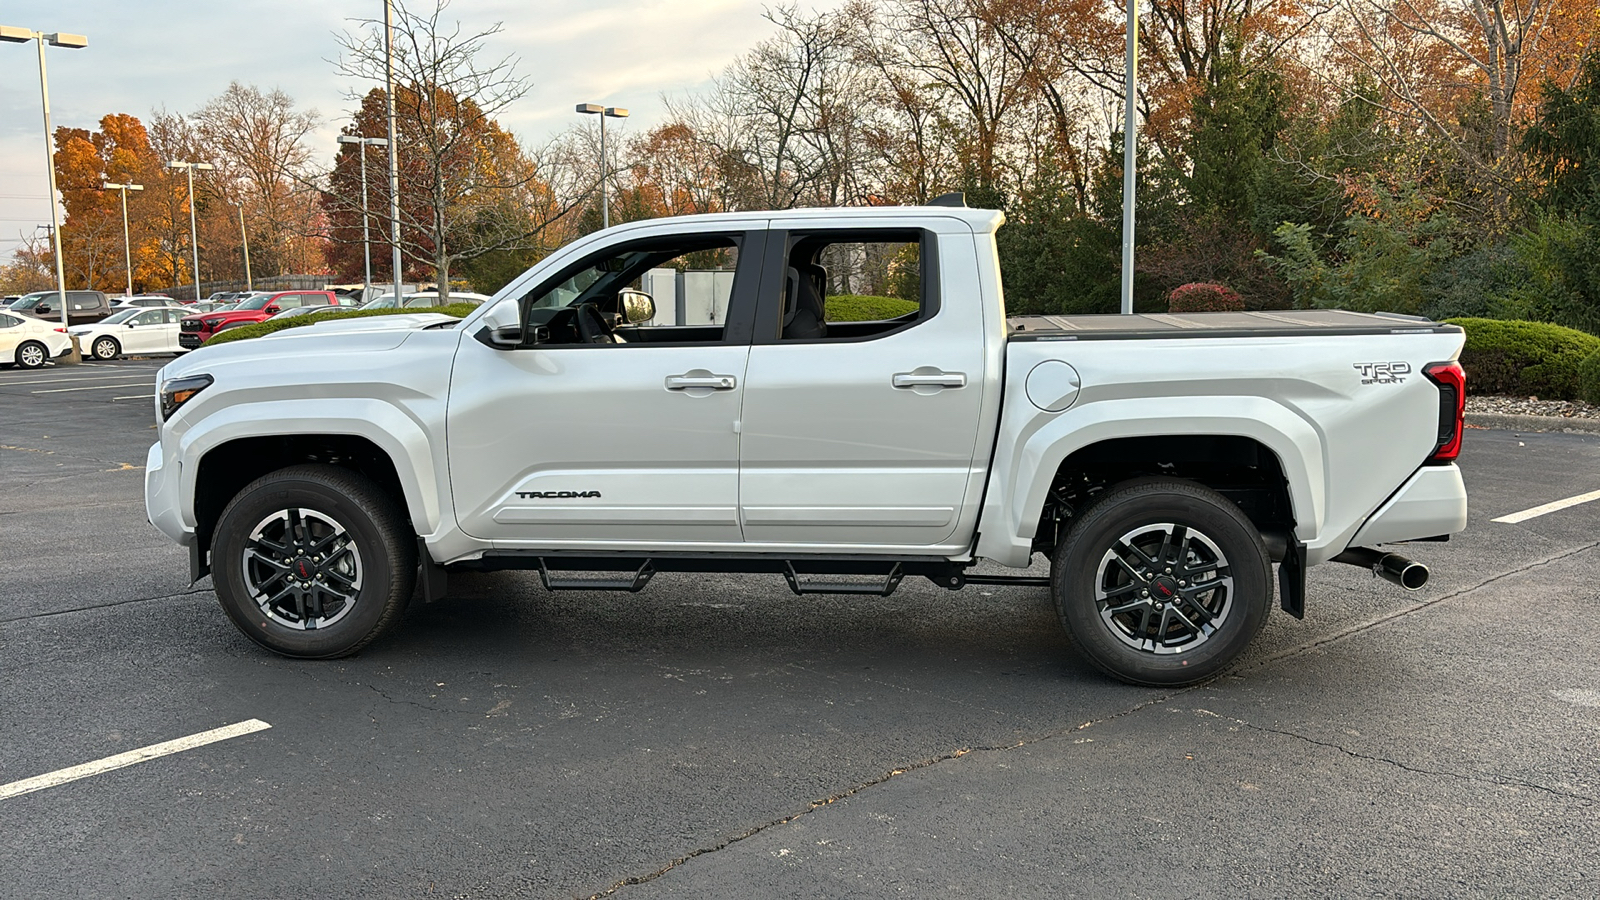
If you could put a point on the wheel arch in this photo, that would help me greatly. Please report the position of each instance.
(234, 449)
(1119, 440)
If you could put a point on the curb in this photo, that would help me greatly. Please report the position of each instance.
(1509, 422)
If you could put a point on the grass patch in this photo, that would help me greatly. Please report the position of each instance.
(260, 329)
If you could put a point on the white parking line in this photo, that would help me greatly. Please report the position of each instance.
(69, 380)
(132, 757)
(101, 387)
(1550, 507)
(134, 397)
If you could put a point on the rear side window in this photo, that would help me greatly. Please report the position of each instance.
(851, 285)
(9, 321)
(82, 300)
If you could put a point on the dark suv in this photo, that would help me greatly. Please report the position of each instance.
(83, 307)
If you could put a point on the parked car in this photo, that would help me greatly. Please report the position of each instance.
(145, 300)
(308, 311)
(9, 299)
(205, 306)
(197, 329)
(423, 300)
(134, 331)
(29, 342)
(1161, 463)
(83, 307)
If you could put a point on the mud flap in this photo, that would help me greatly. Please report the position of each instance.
(1292, 580)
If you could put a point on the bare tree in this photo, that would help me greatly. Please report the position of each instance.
(466, 187)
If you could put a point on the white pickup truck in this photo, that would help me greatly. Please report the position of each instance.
(596, 434)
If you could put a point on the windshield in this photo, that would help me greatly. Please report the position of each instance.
(29, 301)
(117, 318)
(255, 302)
(384, 302)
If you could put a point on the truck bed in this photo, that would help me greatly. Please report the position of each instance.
(1278, 323)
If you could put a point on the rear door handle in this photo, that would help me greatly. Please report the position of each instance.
(935, 379)
(701, 379)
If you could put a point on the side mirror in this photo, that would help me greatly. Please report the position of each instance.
(130, 324)
(273, 309)
(637, 306)
(509, 337)
(44, 310)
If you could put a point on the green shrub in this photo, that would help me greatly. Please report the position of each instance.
(861, 308)
(1203, 296)
(1527, 359)
(1589, 379)
(259, 329)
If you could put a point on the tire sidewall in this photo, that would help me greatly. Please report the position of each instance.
(378, 568)
(116, 348)
(1076, 568)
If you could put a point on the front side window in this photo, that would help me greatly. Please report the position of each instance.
(153, 317)
(665, 290)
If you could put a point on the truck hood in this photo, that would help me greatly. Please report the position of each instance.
(343, 336)
(399, 324)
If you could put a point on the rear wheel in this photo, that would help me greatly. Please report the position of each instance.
(1162, 583)
(313, 561)
(105, 347)
(32, 355)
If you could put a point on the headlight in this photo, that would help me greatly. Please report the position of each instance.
(211, 324)
(175, 392)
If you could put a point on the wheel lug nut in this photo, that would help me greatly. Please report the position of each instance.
(1144, 593)
(1169, 570)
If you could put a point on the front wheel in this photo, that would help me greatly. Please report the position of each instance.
(1162, 583)
(313, 561)
(105, 348)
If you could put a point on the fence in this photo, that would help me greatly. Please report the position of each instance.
(274, 283)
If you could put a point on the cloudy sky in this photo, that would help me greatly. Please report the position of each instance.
(176, 54)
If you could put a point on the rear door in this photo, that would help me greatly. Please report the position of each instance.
(860, 430)
(582, 443)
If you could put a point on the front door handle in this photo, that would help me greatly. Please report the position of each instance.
(701, 379)
(921, 378)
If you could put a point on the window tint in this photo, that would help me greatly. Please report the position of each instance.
(290, 301)
(148, 318)
(82, 300)
(851, 285)
(172, 315)
(9, 321)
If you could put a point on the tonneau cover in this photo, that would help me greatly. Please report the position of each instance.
(1277, 323)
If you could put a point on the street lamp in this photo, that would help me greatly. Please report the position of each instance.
(366, 240)
(194, 231)
(127, 244)
(1130, 151)
(15, 35)
(604, 112)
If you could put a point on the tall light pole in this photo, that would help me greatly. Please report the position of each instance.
(15, 35)
(366, 240)
(604, 112)
(194, 231)
(127, 243)
(1130, 144)
(244, 239)
(394, 148)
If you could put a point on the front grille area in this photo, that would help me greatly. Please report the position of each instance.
(186, 325)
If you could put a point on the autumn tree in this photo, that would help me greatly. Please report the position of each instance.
(467, 188)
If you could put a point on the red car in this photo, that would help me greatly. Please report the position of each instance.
(197, 329)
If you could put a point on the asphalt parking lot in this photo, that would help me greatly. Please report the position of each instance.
(717, 736)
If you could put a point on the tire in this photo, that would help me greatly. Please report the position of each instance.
(1110, 597)
(105, 347)
(351, 543)
(32, 355)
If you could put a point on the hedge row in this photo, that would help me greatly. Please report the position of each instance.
(865, 308)
(245, 332)
(1530, 359)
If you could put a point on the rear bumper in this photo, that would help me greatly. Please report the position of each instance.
(1431, 503)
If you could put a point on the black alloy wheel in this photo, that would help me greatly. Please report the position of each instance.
(313, 561)
(1162, 583)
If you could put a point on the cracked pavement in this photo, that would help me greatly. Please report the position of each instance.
(715, 736)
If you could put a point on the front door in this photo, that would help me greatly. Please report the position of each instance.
(605, 435)
(864, 392)
(145, 333)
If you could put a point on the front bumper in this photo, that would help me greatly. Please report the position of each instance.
(191, 340)
(162, 500)
(1431, 503)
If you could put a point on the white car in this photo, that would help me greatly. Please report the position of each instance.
(30, 342)
(425, 300)
(147, 301)
(134, 331)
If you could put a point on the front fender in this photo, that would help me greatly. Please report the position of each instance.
(393, 430)
(1026, 462)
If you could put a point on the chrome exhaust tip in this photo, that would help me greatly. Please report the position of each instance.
(1391, 567)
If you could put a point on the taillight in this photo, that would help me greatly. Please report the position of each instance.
(1451, 380)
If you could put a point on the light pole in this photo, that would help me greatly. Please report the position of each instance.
(394, 148)
(127, 243)
(1130, 144)
(604, 112)
(366, 240)
(15, 35)
(244, 239)
(194, 231)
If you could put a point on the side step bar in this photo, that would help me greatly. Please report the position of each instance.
(872, 575)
